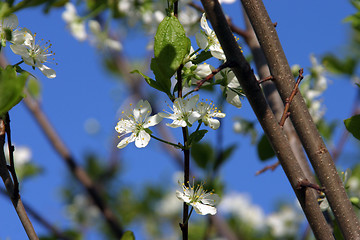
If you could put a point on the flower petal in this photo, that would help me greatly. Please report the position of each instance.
(142, 139)
(153, 120)
(125, 141)
(204, 209)
(48, 72)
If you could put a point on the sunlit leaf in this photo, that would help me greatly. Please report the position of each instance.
(353, 125)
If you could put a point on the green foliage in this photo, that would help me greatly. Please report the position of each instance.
(196, 136)
(202, 154)
(225, 155)
(11, 88)
(353, 125)
(335, 65)
(326, 129)
(202, 57)
(28, 170)
(128, 235)
(264, 149)
(171, 46)
(34, 87)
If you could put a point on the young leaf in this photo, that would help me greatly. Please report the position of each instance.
(264, 149)
(11, 88)
(128, 235)
(353, 125)
(202, 57)
(197, 136)
(171, 46)
(150, 81)
(202, 153)
(224, 156)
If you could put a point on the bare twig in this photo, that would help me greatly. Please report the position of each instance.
(270, 167)
(288, 100)
(306, 184)
(9, 185)
(265, 79)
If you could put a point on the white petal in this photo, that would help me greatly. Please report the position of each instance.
(213, 123)
(124, 142)
(177, 123)
(204, 209)
(142, 110)
(19, 50)
(201, 40)
(181, 196)
(152, 121)
(204, 25)
(142, 139)
(233, 98)
(48, 72)
(211, 199)
(194, 117)
(10, 22)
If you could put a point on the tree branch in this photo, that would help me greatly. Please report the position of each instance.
(266, 118)
(9, 185)
(309, 136)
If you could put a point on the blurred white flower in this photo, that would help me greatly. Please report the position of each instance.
(22, 155)
(92, 126)
(169, 206)
(7, 27)
(74, 22)
(102, 39)
(284, 223)
(82, 211)
(240, 206)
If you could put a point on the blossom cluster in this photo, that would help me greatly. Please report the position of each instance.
(23, 43)
(185, 112)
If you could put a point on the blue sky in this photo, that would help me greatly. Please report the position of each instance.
(83, 90)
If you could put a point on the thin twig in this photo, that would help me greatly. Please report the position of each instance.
(265, 79)
(306, 184)
(11, 167)
(286, 113)
(270, 167)
(9, 185)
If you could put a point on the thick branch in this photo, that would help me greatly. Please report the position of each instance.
(274, 100)
(266, 118)
(313, 144)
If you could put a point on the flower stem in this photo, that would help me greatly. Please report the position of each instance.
(17, 64)
(163, 141)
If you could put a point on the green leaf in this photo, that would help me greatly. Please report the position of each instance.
(339, 66)
(171, 46)
(224, 156)
(128, 235)
(264, 149)
(11, 88)
(202, 57)
(34, 87)
(150, 81)
(353, 125)
(202, 153)
(197, 136)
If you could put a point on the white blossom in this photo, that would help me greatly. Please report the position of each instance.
(35, 54)
(230, 87)
(202, 201)
(207, 40)
(102, 39)
(74, 22)
(284, 223)
(184, 112)
(137, 121)
(208, 114)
